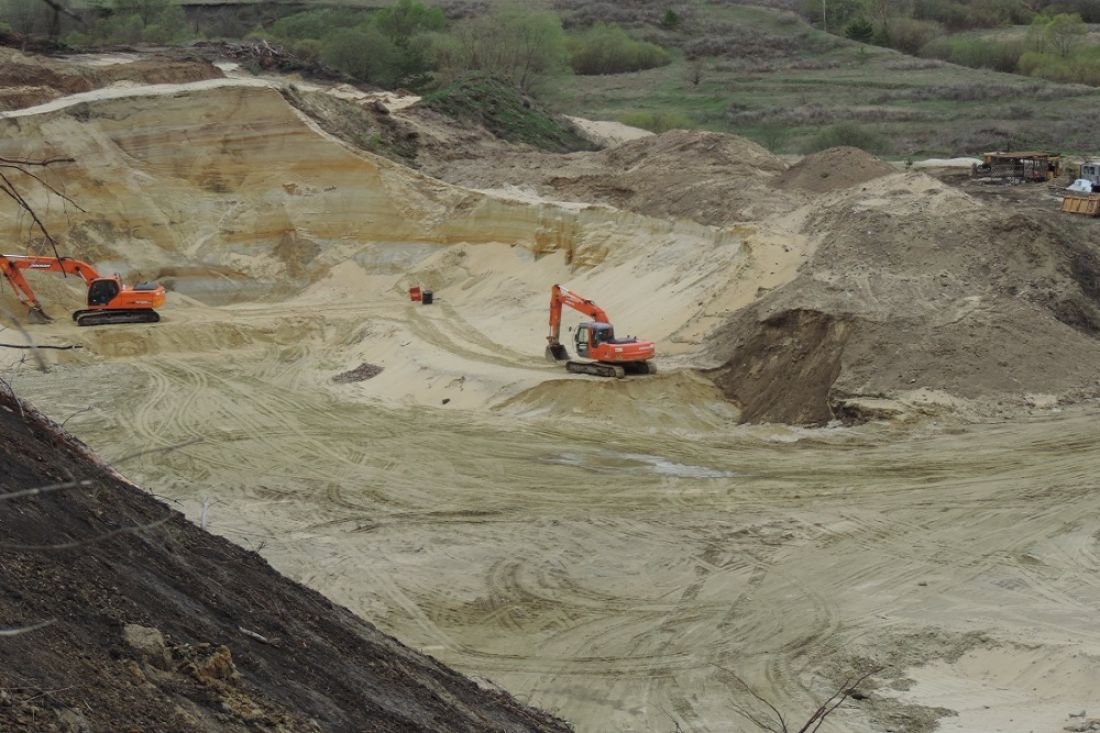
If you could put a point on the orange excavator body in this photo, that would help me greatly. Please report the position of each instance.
(109, 301)
(595, 340)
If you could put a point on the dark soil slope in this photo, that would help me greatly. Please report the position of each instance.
(159, 626)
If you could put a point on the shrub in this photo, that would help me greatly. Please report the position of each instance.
(312, 24)
(658, 121)
(860, 30)
(976, 53)
(364, 53)
(608, 49)
(910, 35)
(521, 46)
(846, 135)
(503, 110)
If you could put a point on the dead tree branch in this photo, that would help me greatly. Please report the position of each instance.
(778, 724)
(39, 490)
(27, 629)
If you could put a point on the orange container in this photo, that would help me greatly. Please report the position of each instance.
(414, 293)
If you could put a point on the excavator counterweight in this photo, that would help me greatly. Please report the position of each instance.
(595, 341)
(109, 301)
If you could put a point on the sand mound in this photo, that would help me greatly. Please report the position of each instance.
(832, 170)
(914, 286)
(606, 133)
(679, 400)
(707, 177)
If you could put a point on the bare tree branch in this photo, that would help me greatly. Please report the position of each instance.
(9, 188)
(45, 184)
(66, 347)
(91, 540)
(38, 490)
(43, 163)
(30, 340)
(165, 449)
(27, 629)
(757, 696)
(816, 720)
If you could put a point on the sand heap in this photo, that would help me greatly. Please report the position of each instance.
(915, 286)
(833, 170)
(707, 177)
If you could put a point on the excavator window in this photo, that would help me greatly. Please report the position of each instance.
(580, 340)
(102, 292)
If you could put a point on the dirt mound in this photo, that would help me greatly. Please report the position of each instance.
(158, 70)
(29, 80)
(832, 170)
(784, 366)
(708, 177)
(150, 623)
(916, 286)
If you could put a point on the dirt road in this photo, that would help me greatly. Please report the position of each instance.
(616, 563)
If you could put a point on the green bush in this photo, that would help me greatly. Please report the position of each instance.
(608, 49)
(503, 110)
(136, 21)
(1081, 68)
(846, 135)
(314, 24)
(658, 121)
(909, 35)
(860, 30)
(364, 53)
(521, 46)
(976, 53)
(406, 18)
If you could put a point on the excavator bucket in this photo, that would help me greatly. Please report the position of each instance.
(37, 315)
(556, 353)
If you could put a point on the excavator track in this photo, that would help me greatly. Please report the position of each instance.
(596, 368)
(112, 317)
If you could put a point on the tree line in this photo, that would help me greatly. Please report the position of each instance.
(1055, 45)
(407, 44)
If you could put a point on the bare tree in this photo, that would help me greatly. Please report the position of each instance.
(766, 716)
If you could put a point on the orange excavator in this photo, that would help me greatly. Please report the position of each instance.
(109, 301)
(606, 356)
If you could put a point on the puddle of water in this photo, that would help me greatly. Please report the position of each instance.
(641, 463)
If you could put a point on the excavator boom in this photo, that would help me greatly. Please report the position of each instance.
(109, 301)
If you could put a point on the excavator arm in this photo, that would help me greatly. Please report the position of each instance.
(12, 266)
(560, 297)
(108, 300)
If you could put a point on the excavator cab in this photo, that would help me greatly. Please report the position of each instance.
(580, 339)
(102, 291)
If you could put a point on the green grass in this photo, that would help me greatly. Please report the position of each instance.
(915, 106)
(505, 113)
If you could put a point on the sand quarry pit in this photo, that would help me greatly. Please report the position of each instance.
(620, 553)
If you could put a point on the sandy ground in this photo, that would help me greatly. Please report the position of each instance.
(607, 550)
(618, 552)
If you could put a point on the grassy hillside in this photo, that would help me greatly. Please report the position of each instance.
(765, 73)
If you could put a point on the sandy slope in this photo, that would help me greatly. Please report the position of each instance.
(608, 550)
